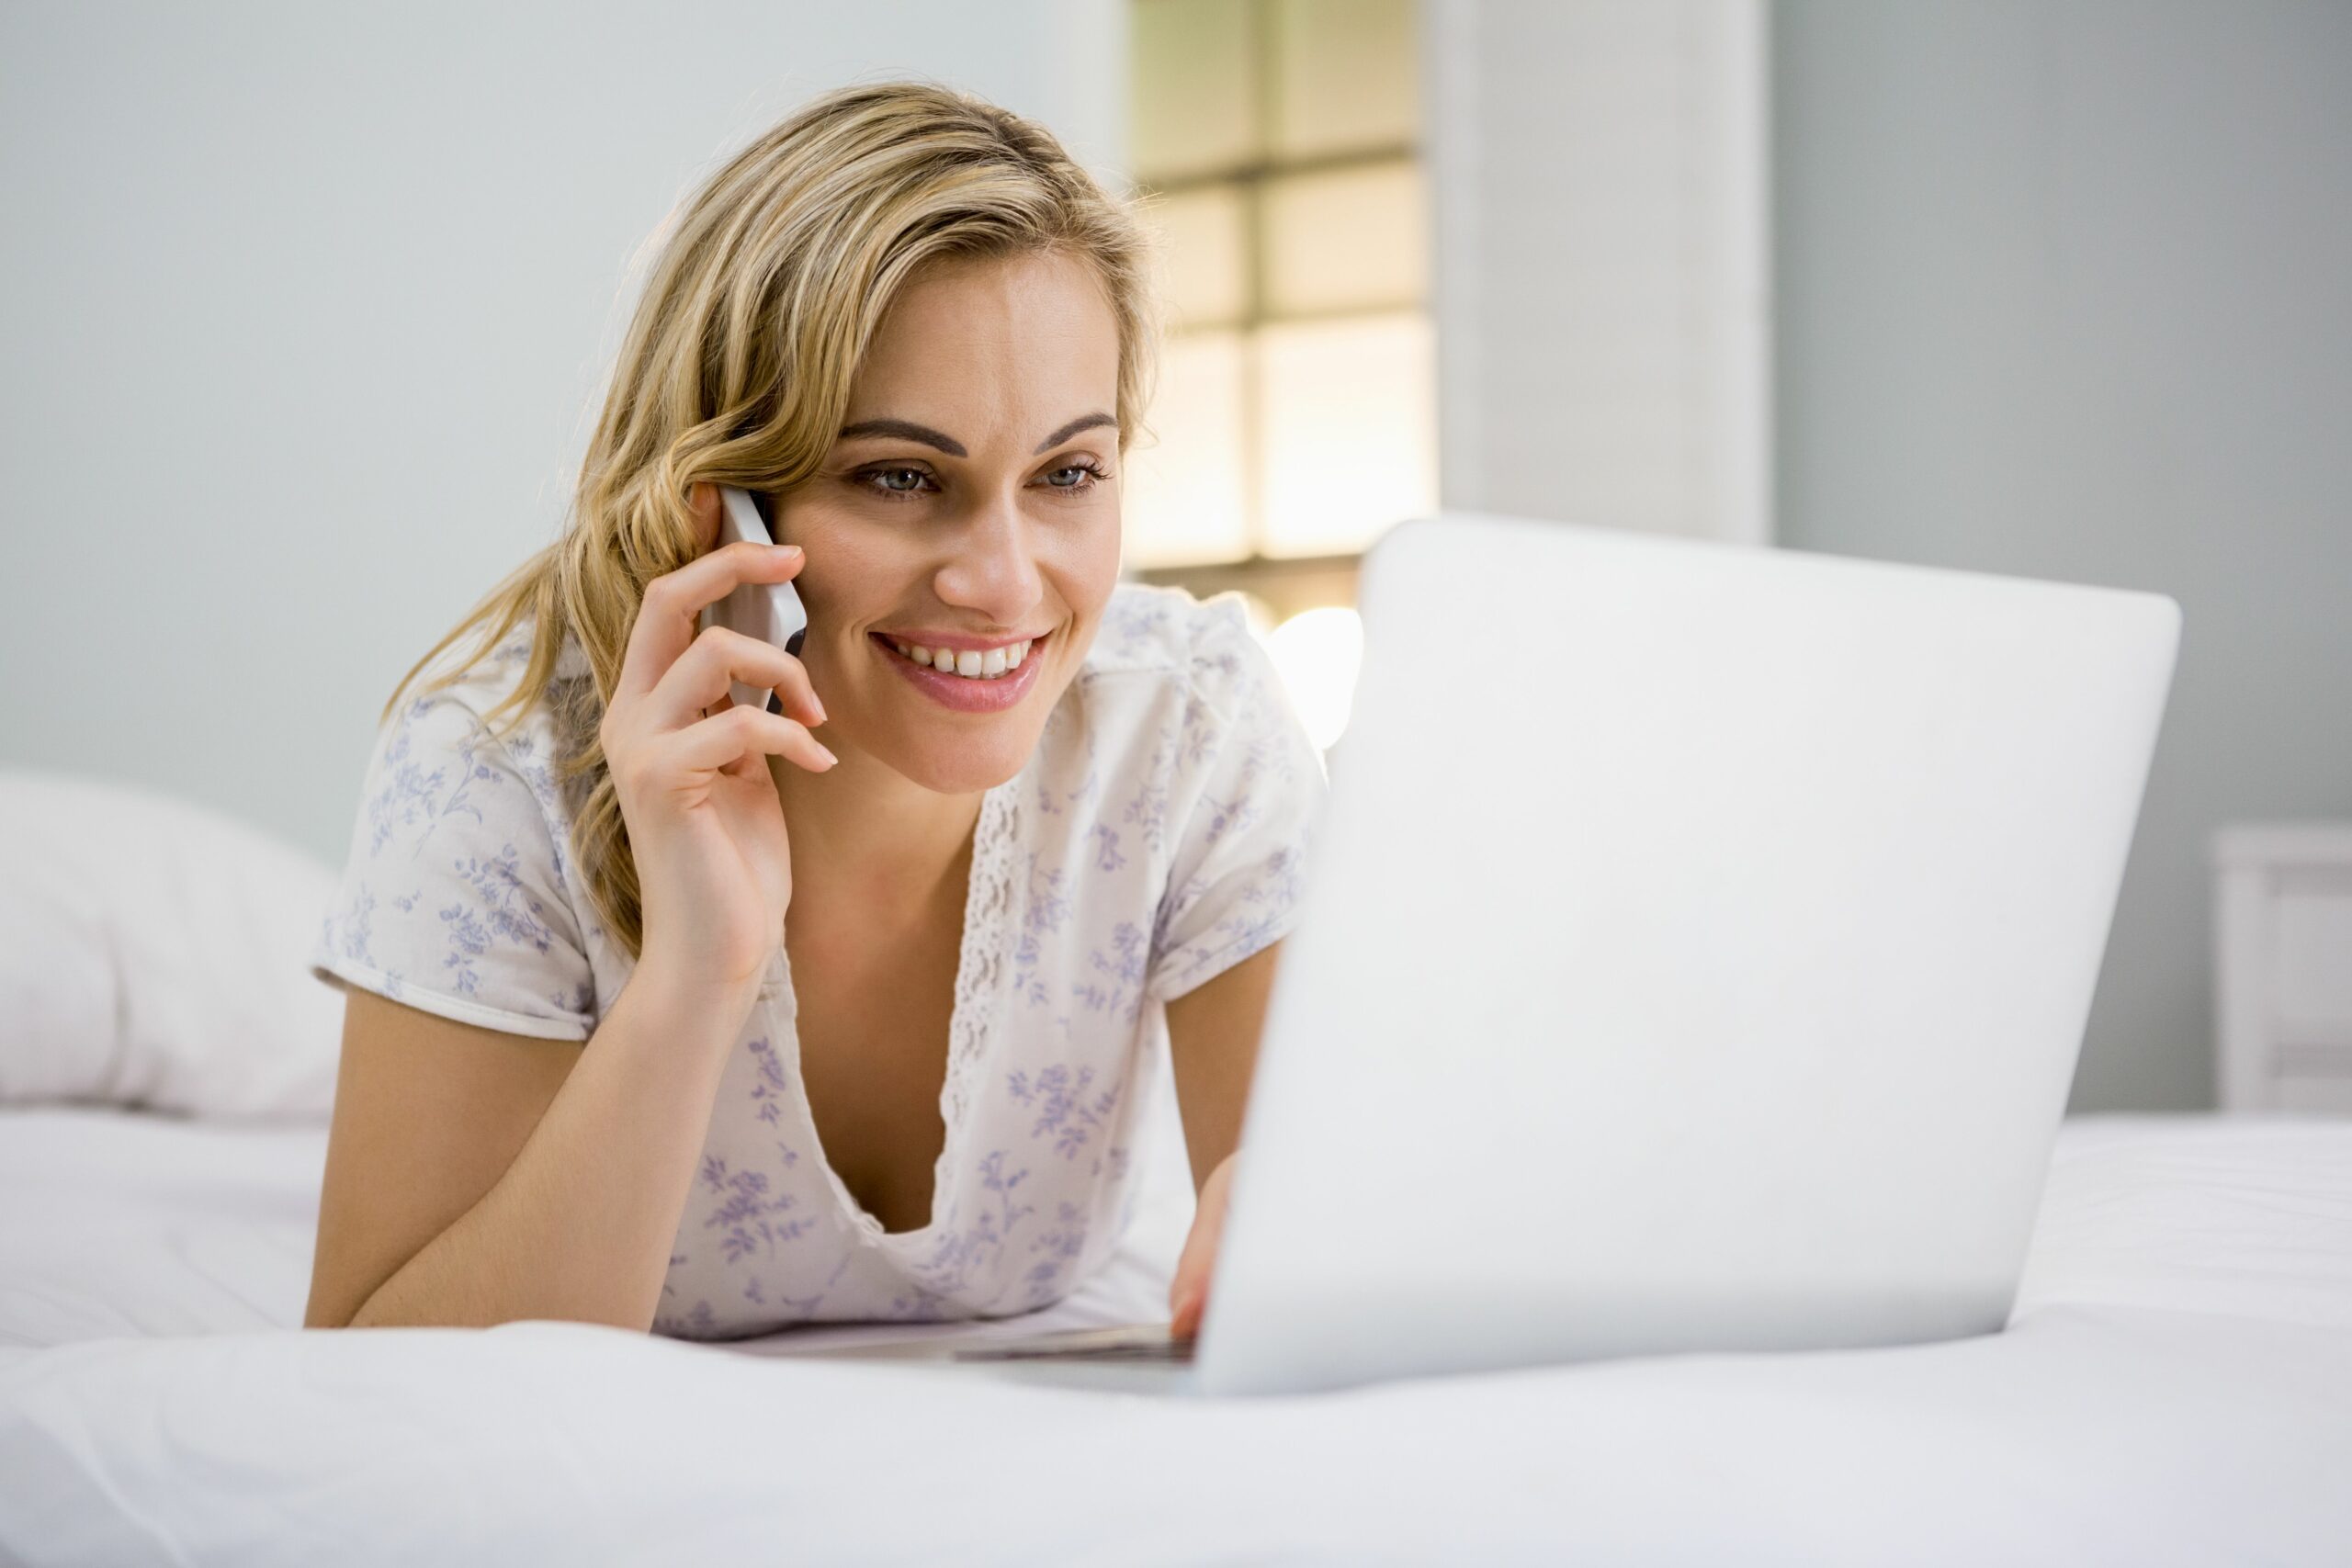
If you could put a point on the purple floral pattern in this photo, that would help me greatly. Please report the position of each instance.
(1065, 1110)
(1158, 833)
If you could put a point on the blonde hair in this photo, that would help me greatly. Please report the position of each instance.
(738, 365)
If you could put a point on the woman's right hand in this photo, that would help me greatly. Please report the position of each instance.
(714, 868)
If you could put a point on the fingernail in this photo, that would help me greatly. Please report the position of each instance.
(784, 552)
(830, 759)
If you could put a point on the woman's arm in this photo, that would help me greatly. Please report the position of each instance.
(1212, 1033)
(476, 1176)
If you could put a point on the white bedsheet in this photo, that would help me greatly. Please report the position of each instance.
(2176, 1387)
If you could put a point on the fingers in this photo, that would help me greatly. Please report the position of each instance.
(1184, 1314)
(718, 657)
(745, 734)
(1188, 1286)
(666, 621)
(1188, 1289)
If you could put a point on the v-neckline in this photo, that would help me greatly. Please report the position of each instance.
(979, 966)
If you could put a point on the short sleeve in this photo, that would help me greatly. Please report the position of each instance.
(452, 900)
(1252, 786)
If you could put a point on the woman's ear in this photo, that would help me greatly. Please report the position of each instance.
(703, 498)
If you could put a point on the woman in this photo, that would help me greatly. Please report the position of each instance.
(866, 1022)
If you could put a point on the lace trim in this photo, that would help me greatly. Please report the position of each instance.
(979, 973)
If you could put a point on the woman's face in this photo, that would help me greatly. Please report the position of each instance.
(969, 503)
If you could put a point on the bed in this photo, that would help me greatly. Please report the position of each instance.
(2176, 1386)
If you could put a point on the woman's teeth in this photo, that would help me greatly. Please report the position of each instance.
(989, 666)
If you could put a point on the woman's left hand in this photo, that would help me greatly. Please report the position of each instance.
(1188, 1292)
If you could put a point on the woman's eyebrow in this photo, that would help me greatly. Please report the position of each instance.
(1083, 421)
(907, 430)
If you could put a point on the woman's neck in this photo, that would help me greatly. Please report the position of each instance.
(864, 834)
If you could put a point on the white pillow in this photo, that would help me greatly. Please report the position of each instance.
(155, 953)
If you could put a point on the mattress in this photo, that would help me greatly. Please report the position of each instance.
(2175, 1386)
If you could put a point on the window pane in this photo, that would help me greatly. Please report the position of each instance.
(1206, 256)
(1346, 75)
(1183, 499)
(1192, 69)
(1351, 424)
(1352, 238)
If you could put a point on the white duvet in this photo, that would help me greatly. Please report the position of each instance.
(2176, 1387)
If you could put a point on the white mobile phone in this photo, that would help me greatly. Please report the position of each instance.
(769, 610)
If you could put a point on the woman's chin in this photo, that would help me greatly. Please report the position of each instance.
(967, 768)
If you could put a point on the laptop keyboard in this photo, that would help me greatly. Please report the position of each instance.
(1153, 1343)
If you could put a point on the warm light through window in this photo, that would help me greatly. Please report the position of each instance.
(1275, 146)
(1317, 652)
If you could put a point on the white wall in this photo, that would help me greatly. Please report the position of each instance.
(2065, 290)
(304, 310)
(1600, 261)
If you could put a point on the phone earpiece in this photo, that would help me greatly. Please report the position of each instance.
(771, 612)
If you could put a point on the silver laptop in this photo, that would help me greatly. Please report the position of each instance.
(1696, 951)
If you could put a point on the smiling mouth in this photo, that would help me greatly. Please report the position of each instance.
(993, 665)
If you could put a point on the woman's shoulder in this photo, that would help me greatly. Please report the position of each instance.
(455, 760)
(1165, 639)
(1177, 701)
(455, 897)
(462, 700)
(1194, 779)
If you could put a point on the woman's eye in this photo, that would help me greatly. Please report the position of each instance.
(895, 480)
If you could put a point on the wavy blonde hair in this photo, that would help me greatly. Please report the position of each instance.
(738, 366)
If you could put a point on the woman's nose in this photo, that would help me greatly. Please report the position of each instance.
(993, 571)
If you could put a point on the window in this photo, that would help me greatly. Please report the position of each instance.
(1275, 147)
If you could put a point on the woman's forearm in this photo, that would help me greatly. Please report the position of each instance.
(580, 1226)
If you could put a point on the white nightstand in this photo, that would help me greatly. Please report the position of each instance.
(2283, 976)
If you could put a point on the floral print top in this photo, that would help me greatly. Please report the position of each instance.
(1156, 836)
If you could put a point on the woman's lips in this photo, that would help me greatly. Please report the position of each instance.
(962, 692)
